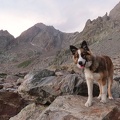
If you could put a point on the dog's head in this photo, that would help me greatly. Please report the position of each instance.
(82, 56)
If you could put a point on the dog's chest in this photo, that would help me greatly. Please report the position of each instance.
(90, 75)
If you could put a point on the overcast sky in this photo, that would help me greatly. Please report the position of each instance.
(66, 15)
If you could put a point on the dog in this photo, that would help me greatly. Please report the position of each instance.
(99, 68)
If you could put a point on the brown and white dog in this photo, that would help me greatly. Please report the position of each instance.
(99, 68)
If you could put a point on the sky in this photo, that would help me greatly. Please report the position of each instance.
(68, 16)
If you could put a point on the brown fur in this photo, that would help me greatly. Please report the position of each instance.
(105, 67)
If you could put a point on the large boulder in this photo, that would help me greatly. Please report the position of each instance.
(71, 107)
(47, 87)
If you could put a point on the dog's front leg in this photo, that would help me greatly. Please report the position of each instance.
(90, 92)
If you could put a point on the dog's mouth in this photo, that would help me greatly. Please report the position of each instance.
(82, 65)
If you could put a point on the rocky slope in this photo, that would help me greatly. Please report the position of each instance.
(36, 46)
(45, 38)
(103, 33)
(6, 40)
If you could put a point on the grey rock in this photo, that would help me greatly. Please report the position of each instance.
(116, 89)
(46, 89)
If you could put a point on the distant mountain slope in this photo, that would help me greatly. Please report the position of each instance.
(6, 40)
(44, 39)
(37, 47)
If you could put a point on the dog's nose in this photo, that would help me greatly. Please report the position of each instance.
(80, 62)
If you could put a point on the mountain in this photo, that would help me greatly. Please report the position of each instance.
(6, 40)
(41, 38)
(37, 46)
(42, 46)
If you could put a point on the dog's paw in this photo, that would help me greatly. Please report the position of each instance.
(111, 98)
(88, 104)
(99, 97)
(103, 101)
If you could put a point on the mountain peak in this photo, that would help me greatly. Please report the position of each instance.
(4, 33)
(42, 26)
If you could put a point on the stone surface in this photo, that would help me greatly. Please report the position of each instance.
(72, 108)
(10, 104)
(116, 89)
(30, 112)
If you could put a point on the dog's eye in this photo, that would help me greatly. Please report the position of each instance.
(83, 55)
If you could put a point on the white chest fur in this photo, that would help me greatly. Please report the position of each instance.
(90, 75)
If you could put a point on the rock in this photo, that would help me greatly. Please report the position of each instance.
(21, 75)
(11, 79)
(3, 75)
(59, 73)
(71, 107)
(46, 89)
(1, 86)
(117, 79)
(106, 17)
(8, 85)
(37, 75)
(1, 80)
(116, 89)
(30, 112)
(10, 104)
(19, 81)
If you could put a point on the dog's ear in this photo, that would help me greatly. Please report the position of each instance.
(73, 49)
(84, 45)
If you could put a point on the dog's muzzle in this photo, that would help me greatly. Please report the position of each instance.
(82, 65)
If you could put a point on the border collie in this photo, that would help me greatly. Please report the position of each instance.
(99, 68)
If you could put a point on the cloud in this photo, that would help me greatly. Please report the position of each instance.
(65, 15)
